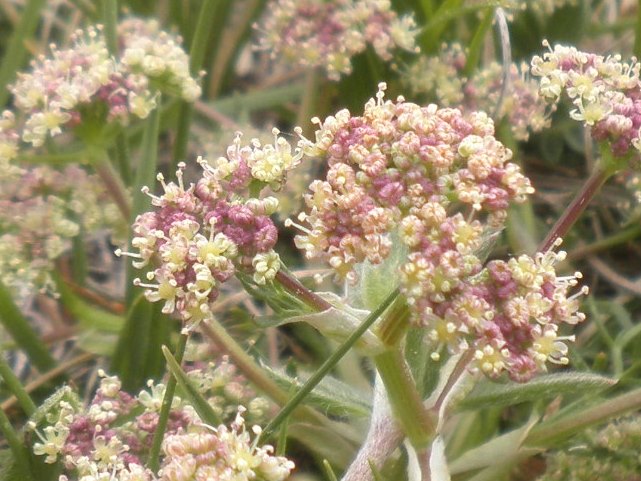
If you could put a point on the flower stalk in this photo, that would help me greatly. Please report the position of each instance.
(163, 418)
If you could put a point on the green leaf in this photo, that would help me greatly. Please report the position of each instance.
(331, 395)
(8, 469)
(505, 447)
(16, 388)
(138, 356)
(202, 407)
(18, 449)
(490, 394)
(22, 332)
(284, 304)
(145, 176)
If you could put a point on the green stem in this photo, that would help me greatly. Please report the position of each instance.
(154, 454)
(328, 365)
(17, 447)
(16, 52)
(229, 43)
(447, 11)
(22, 333)
(474, 50)
(436, 25)
(428, 8)
(199, 44)
(110, 22)
(17, 389)
(637, 34)
(79, 258)
(557, 430)
(406, 402)
(145, 176)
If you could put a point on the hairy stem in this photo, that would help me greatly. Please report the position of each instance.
(382, 439)
(417, 423)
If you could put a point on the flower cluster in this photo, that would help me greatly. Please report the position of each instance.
(411, 168)
(40, 211)
(324, 34)
(225, 389)
(442, 183)
(509, 315)
(605, 91)
(442, 78)
(610, 452)
(221, 453)
(84, 86)
(200, 235)
(9, 139)
(290, 193)
(111, 438)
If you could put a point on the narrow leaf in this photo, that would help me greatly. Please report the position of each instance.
(145, 177)
(17, 447)
(331, 395)
(329, 472)
(22, 332)
(508, 445)
(16, 388)
(202, 407)
(488, 394)
(138, 356)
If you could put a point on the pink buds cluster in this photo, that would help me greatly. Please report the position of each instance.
(221, 453)
(85, 84)
(442, 78)
(509, 315)
(112, 436)
(605, 92)
(323, 34)
(414, 169)
(199, 235)
(440, 182)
